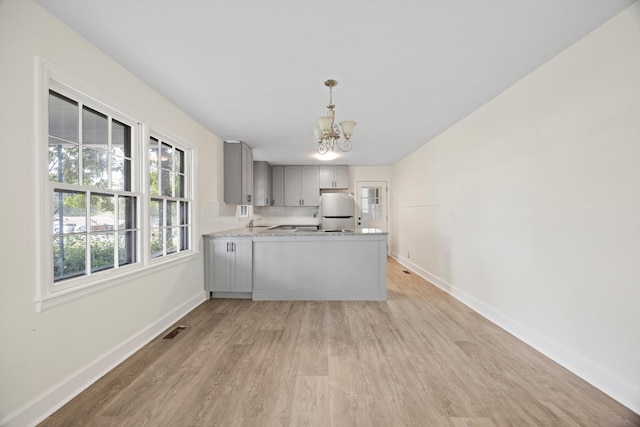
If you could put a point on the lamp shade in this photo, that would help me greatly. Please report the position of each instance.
(347, 128)
(317, 133)
(325, 123)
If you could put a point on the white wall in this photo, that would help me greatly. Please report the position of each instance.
(528, 210)
(46, 357)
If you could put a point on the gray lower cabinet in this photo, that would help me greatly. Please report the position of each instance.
(228, 266)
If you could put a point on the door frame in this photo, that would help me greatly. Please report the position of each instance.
(386, 205)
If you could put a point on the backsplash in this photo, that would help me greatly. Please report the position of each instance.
(286, 215)
(218, 216)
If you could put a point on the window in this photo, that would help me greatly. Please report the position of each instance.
(94, 221)
(115, 198)
(169, 207)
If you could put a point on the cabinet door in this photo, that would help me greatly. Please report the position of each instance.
(310, 186)
(277, 177)
(242, 265)
(268, 191)
(326, 177)
(221, 266)
(292, 180)
(262, 184)
(247, 175)
(233, 173)
(341, 177)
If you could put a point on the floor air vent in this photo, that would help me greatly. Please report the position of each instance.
(406, 271)
(171, 335)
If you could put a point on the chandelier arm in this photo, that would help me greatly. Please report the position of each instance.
(323, 148)
(344, 145)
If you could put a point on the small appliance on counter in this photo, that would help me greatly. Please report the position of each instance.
(337, 212)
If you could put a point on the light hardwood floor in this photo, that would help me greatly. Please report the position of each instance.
(419, 359)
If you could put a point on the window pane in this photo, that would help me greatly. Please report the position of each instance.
(63, 117)
(102, 251)
(371, 207)
(172, 239)
(95, 168)
(184, 238)
(120, 139)
(156, 213)
(126, 212)
(172, 213)
(69, 209)
(127, 251)
(156, 243)
(102, 212)
(63, 161)
(69, 256)
(153, 152)
(94, 128)
(153, 180)
(120, 173)
(184, 213)
(153, 167)
(179, 161)
(167, 157)
(167, 182)
(179, 186)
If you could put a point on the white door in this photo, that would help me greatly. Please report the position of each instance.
(371, 200)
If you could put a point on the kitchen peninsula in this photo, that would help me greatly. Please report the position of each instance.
(296, 263)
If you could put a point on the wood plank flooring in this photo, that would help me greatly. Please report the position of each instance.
(419, 359)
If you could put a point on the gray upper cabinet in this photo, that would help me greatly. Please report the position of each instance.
(334, 177)
(238, 173)
(262, 184)
(277, 179)
(301, 186)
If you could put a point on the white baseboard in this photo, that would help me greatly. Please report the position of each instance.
(48, 402)
(617, 388)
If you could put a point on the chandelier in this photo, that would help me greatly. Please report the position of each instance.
(327, 133)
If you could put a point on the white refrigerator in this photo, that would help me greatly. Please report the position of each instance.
(337, 212)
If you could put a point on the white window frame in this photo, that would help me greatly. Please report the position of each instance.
(49, 294)
(189, 153)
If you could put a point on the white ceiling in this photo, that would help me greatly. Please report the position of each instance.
(253, 70)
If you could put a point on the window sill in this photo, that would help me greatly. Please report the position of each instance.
(108, 279)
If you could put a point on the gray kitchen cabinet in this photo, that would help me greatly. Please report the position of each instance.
(301, 186)
(277, 180)
(262, 184)
(334, 177)
(238, 173)
(228, 266)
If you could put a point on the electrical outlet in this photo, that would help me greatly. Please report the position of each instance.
(408, 255)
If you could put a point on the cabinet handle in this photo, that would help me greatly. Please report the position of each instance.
(248, 198)
(227, 246)
(233, 247)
